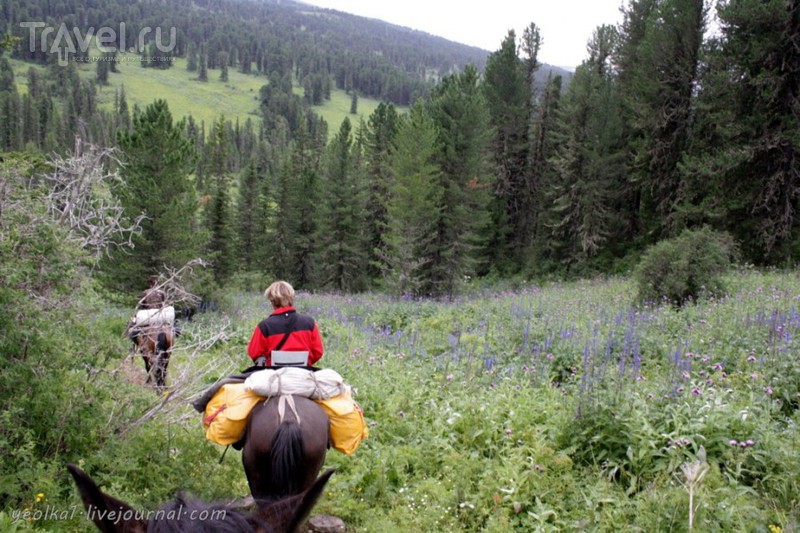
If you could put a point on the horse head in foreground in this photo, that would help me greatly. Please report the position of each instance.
(111, 515)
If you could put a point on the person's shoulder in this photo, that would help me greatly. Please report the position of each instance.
(306, 320)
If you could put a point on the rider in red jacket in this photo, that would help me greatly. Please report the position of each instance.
(284, 329)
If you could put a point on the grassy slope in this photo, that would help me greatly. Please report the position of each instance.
(236, 99)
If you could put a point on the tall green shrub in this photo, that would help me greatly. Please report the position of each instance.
(685, 267)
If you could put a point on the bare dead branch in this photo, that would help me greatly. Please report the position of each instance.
(79, 197)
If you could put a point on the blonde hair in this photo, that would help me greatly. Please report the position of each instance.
(280, 294)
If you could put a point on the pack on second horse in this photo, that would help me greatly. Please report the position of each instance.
(152, 331)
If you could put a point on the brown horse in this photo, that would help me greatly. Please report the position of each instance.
(285, 444)
(155, 344)
(111, 515)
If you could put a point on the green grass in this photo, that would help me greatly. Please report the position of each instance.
(236, 99)
(205, 101)
(560, 407)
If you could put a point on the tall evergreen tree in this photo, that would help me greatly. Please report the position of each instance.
(508, 97)
(589, 161)
(745, 165)
(249, 223)
(379, 145)
(543, 149)
(296, 220)
(412, 207)
(223, 66)
(658, 61)
(459, 111)
(202, 75)
(218, 210)
(343, 252)
(191, 58)
(157, 162)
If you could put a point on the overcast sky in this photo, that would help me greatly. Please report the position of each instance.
(565, 25)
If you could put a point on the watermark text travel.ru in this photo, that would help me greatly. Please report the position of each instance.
(65, 42)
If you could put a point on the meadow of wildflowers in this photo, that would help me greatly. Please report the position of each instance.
(568, 407)
(555, 407)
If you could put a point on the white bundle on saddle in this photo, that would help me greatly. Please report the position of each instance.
(319, 385)
(154, 317)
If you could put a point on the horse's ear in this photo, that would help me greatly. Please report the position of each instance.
(109, 514)
(287, 514)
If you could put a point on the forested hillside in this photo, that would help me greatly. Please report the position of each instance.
(489, 173)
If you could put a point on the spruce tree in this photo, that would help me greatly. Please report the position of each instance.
(155, 183)
(380, 137)
(589, 161)
(658, 61)
(297, 213)
(744, 170)
(223, 66)
(191, 58)
(413, 207)
(459, 111)
(202, 75)
(508, 98)
(218, 210)
(342, 253)
(354, 103)
(250, 224)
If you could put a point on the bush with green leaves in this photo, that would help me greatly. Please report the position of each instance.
(686, 267)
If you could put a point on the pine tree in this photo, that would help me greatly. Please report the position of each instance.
(218, 210)
(223, 66)
(203, 74)
(250, 223)
(354, 103)
(297, 213)
(379, 146)
(745, 165)
(342, 253)
(101, 70)
(589, 160)
(157, 162)
(508, 97)
(459, 111)
(191, 58)
(413, 206)
(658, 61)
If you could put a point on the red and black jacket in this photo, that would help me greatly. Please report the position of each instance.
(303, 335)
